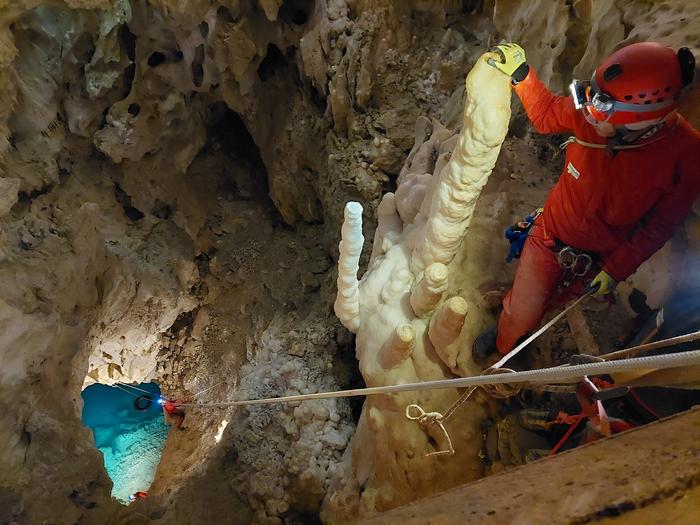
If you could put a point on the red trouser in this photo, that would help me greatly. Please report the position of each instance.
(534, 289)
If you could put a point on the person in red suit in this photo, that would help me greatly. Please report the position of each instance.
(630, 177)
(173, 412)
(138, 495)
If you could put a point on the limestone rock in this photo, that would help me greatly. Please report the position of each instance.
(173, 175)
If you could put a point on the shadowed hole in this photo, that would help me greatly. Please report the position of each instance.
(157, 58)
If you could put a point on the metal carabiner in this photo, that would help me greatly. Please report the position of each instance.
(566, 258)
(579, 264)
(580, 270)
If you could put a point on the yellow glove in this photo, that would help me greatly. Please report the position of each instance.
(512, 63)
(605, 282)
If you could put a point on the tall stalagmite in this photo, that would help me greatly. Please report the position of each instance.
(406, 330)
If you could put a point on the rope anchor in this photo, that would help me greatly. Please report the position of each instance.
(497, 389)
(426, 419)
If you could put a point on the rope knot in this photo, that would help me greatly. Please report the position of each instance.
(503, 390)
(426, 419)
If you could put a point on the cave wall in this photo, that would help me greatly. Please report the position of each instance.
(139, 244)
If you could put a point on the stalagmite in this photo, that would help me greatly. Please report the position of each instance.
(445, 326)
(388, 224)
(347, 304)
(430, 290)
(399, 346)
(410, 326)
(486, 117)
(172, 181)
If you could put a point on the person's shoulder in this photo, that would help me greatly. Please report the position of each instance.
(686, 131)
(686, 140)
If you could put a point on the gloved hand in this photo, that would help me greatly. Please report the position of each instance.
(512, 61)
(605, 282)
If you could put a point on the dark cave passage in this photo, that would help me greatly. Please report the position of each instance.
(228, 134)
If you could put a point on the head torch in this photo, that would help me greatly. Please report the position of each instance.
(585, 94)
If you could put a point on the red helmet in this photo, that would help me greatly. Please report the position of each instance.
(639, 82)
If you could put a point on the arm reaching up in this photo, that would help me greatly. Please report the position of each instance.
(549, 113)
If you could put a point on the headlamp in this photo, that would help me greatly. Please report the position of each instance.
(579, 91)
(585, 94)
(603, 102)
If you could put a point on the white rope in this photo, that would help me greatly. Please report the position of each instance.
(434, 418)
(208, 389)
(539, 332)
(134, 387)
(127, 391)
(554, 375)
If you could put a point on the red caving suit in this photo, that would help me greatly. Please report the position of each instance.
(623, 207)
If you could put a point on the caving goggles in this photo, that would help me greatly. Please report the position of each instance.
(600, 106)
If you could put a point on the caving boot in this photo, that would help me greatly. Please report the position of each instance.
(484, 346)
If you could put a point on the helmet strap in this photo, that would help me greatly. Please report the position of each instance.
(625, 136)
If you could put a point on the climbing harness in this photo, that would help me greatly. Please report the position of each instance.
(578, 263)
(575, 263)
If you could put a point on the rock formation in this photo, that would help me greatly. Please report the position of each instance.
(409, 328)
(173, 176)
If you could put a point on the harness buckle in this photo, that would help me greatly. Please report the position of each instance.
(577, 263)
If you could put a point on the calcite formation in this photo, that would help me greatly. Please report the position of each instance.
(408, 328)
(172, 182)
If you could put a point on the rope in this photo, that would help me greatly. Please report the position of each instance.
(500, 391)
(505, 391)
(426, 419)
(135, 388)
(436, 418)
(593, 145)
(128, 391)
(672, 341)
(642, 404)
(490, 378)
(555, 375)
(207, 389)
(539, 332)
(577, 419)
